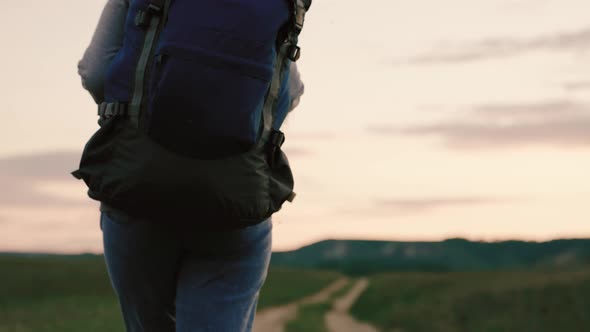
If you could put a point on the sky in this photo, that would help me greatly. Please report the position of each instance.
(420, 121)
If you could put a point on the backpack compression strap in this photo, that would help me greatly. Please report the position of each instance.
(288, 49)
(151, 19)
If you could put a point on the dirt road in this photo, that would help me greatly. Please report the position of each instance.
(339, 320)
(274, 319)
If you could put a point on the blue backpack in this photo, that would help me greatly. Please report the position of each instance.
(194, 101)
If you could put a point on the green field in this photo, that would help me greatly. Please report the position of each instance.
(310, 317)
(285, 285)
(54, 293)
(533, 301)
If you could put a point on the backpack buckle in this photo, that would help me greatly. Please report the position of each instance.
(142, 19)
(275, 141)
(144, 16)
(294, 53)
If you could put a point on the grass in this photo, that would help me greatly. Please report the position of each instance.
(285, 285)
(54, 293)
(534, 301)
(344, 290)
(310, 317)
(57, 293)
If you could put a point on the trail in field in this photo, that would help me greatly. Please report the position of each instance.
(339, 320)
(275, 319)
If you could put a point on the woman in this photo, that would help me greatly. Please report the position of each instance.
(167, 275)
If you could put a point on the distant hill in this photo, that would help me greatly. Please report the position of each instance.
(356, 256)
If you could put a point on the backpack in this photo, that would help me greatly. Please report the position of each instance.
(189, 127)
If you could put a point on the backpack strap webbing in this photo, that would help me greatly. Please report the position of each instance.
(149, 18)
(287, 49)
(108, 110)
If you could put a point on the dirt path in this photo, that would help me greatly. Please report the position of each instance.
(339, 320)
(274, 319)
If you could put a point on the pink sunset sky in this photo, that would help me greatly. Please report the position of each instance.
(422, 120)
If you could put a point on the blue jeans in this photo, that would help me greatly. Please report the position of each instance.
(172, 278)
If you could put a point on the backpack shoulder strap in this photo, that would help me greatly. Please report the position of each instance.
(298, 8)
(301, 7)
(288, 49)
(150, 19)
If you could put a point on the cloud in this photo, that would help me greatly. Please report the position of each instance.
(429, 204)
(298, 152)
(560, 123)
(417, 206)
(46, 166)
(22, 179)
(43, 208)
(312, 135)
(577, 86)
(19, 193)
(505, 47)
(550, 109)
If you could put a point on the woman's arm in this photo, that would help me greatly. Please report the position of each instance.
(105, 43)
(296, 87)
